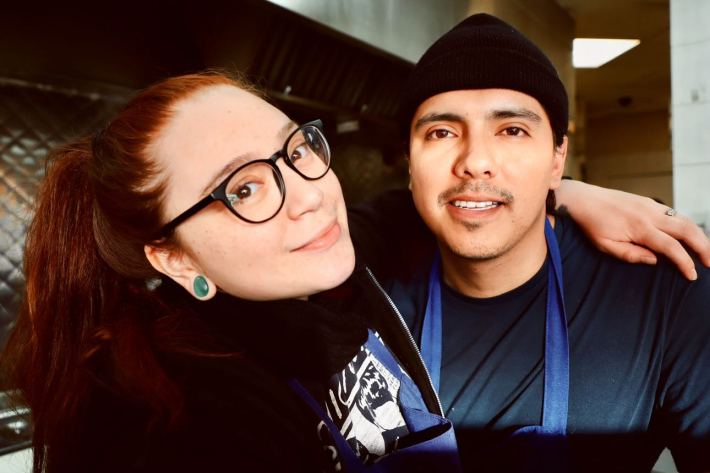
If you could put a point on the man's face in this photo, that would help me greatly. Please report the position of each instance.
(481, 163)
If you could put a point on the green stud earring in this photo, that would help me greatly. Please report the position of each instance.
(200, 286)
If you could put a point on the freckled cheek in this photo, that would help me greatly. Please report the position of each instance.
(332, 191)
(230, 240)
(259, 259)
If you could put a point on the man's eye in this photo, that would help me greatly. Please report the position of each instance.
(439, 134)
(514, 131)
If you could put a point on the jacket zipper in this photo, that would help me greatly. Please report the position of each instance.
(412, 343)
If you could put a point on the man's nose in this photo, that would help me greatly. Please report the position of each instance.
(477, 160)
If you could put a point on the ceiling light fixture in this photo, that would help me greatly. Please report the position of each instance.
(590, 53)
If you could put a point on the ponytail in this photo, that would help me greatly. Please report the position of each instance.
(87, 321)
(77, 310)
(62, 301)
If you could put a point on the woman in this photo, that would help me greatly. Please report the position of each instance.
(124, 378)
(163, 332)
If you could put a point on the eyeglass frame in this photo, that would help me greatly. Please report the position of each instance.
(219, 193)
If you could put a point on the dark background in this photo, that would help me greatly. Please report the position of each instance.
(66, 68)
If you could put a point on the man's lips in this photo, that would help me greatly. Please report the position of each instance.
(324, 239)
(476, 205)
(475, 196)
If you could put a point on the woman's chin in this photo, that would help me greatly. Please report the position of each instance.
(338, 272)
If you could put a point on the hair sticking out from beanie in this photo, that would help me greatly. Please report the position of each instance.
(484, 52)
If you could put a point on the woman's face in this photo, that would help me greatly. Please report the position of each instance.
(303, 250)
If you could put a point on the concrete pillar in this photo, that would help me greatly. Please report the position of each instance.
(690, 79)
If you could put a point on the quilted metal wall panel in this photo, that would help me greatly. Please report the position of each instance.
(33, 120)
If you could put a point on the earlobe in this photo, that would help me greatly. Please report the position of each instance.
(201, 288)
(179, 267)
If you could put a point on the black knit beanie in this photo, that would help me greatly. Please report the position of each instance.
(483, 52)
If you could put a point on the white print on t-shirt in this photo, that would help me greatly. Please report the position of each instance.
(362, 402)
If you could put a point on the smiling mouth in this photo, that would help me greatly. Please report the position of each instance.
(474, 205)
(323, 240)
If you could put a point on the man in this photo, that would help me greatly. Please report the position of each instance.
(601, 386)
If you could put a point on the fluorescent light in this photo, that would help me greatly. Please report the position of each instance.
(594, 52)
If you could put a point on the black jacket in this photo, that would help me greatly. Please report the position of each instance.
(239, 414)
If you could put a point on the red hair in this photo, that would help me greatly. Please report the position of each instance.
(86, 273)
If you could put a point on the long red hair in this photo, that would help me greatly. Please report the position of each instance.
(86, 273)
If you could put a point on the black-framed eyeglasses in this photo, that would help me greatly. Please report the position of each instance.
(255, 191)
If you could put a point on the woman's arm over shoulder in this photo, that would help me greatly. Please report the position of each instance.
(631, 227)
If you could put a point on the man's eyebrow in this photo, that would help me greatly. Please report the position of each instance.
(437, 117)
(243, 158)
(523, 113)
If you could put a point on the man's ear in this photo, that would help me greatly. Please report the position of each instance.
(409, 178)
(409, 169)
(558, 164)
(179, 266)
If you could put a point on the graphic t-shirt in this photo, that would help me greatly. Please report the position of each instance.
(362, 401)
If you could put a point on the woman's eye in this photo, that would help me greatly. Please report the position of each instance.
(299, 152)
(439, 134)
(243, 192)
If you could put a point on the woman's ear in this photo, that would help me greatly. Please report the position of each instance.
(179, 267)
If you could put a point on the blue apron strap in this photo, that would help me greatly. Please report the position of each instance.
(349, 459)
(556, 395)
(556, 377)
(430, 345)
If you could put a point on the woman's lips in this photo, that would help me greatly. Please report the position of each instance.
(323, 240)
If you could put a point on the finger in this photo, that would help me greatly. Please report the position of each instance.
(684, 229)
(628, 252)
(671, 248)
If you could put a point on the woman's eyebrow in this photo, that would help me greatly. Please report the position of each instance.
(287, 128)
(229, 167)
(243, 158)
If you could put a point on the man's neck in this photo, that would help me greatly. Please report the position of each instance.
(496, 276)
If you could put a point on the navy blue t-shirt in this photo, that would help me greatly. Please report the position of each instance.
(639, 361)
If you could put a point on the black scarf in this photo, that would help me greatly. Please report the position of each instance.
(309, 340)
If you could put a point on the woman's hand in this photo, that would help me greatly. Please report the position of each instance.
(631, 227)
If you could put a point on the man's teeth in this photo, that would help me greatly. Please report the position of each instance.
(469, 204)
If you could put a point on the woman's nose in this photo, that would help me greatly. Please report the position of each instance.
(302, 195)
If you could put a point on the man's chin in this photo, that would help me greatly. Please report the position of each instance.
(477, 253)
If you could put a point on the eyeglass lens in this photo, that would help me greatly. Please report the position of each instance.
(308, 152)
(254, 191)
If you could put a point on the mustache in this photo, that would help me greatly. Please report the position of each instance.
(504, 195)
